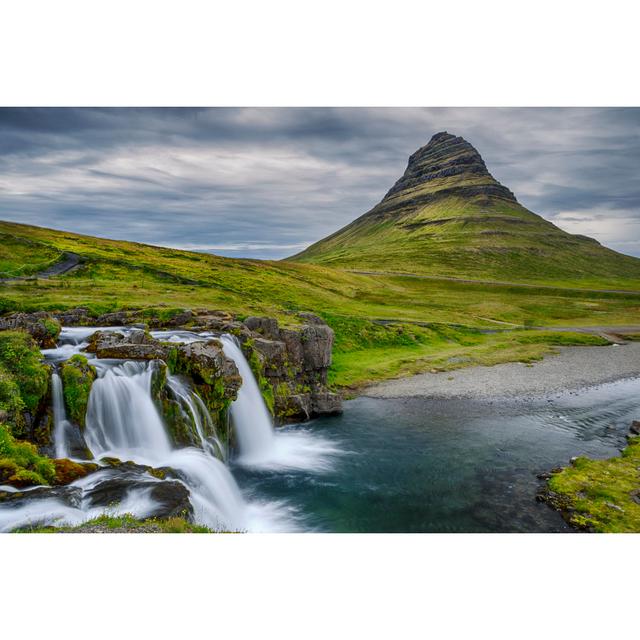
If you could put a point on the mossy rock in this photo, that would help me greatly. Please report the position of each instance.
(67, 471)
(20, 463)
(77, 377)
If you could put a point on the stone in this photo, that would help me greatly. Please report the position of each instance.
(634, 429)
(42, 326)
(267, 327)
(326, 403)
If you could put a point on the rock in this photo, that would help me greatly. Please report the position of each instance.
(171, 496)
(42, 326)
(74, 317)
(311, 318)
(70, 496)
(317, 345)
(116, 319)
(634, 429)
(68, 471)
(138, 345)
(267, 327)
(326, 403)
(206, 362)
(274, 356)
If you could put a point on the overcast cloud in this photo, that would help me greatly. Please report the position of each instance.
(265, 183)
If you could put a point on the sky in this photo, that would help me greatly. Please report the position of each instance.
(267, 182)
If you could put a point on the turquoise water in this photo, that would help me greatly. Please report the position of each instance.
(447, 466)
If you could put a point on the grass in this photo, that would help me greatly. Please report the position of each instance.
(479, 237)
(20, 463)
(598, 495)
(125, 524)
(118, 275)
(24, 379)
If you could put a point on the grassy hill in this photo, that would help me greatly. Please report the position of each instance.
(448, 216)
(385, 326)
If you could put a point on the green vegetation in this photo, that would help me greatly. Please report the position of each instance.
(20, 256)
(77, 377)
(122, 275)
(601, 495)
(20, 463)
(126, 524)
(24, 378)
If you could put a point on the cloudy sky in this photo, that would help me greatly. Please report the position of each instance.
(265, 183)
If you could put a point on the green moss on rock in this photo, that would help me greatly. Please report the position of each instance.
(77, 377)
(20, 463)
(600, 495)
(24, 379)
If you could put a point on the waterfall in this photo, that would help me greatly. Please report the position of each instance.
(191, 403)
(61, 425)
(260, 446)
(251, 418)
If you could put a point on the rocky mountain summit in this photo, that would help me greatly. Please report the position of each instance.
(447, 165)
(448, 216)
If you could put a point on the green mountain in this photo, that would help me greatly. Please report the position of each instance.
(448, 216)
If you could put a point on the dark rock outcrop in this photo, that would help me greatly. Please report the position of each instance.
(42, 326)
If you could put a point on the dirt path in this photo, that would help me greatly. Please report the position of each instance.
(68, 262)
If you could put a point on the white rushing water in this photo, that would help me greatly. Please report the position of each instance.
(61, 425)
(260, 445)
(124, 422)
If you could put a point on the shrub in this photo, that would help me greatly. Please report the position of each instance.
(22, 360)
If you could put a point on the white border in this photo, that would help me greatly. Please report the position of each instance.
(373, 53)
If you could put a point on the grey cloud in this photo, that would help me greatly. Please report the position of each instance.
(266, 182)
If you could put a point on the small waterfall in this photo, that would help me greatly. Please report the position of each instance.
(122, 419)
(192, 404)
(260, 446)
(61, 425)
(251, 418)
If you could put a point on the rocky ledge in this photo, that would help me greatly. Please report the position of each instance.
(290, 362)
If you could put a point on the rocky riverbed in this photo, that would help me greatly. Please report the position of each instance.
(571, 368)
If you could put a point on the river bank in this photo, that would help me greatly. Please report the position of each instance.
(569, 369)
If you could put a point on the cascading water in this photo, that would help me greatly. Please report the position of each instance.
(260, 446)
(250, 415)
(196, 411)
(123, 422)
(61, 425)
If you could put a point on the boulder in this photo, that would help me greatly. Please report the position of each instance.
(138, 345)
(171, 496)
(267, 327)
(42, 326)
(206, 362)
(634, 429)
(326, 403)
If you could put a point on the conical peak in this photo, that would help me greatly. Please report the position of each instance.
(446, 162)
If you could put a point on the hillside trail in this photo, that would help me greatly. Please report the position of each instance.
(68, 262)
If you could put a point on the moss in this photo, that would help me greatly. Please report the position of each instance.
(600, 495)
(77, 377)
(257, 368)
(20, 463)
(67, 470)
(126, 523)
(24, 378)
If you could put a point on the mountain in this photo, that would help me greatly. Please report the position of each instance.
(447, 215)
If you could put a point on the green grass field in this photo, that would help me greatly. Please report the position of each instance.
(385, 325)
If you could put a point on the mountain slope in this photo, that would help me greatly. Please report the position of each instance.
(448, 216)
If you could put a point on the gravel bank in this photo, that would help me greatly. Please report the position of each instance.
(571, 368)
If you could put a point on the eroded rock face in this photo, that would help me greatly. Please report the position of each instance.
(138, 345)
(42, 326)
(295, 362)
